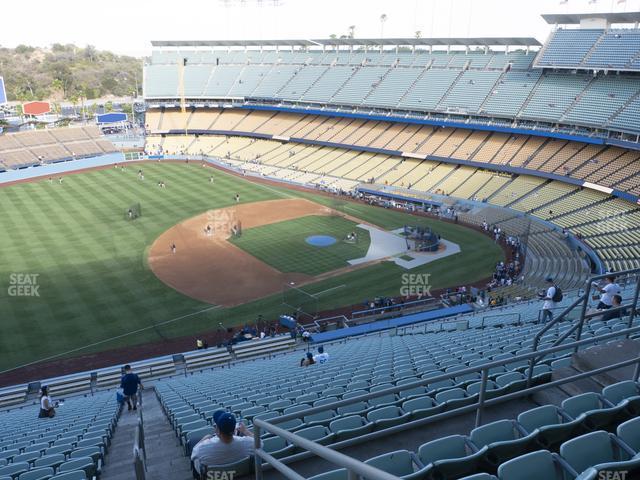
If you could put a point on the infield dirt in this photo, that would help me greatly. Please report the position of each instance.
(207, 267)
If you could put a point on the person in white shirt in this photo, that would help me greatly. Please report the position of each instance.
(610, 289)
(322, 356)
(47, 406)
(549, 304)
(226, 447)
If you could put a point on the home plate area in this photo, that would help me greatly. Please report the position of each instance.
(398, 249)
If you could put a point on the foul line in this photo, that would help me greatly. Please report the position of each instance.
(267, 187)
(327, 290)
(111, 338)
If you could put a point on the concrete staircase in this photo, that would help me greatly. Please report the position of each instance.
(165, 456)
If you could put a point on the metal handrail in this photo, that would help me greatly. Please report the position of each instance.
(584, 300)
(354, 467)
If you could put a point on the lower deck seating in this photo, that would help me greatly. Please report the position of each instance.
(34, 147)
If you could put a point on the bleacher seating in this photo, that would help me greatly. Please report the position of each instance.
(612, 49)
(34, 147)
(488, 84)
(607, 166)
(568, 47)
(77, 439)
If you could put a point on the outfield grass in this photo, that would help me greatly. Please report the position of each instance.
(283, 245)
(93, 280)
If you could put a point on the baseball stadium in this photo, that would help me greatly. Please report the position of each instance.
(331, 258)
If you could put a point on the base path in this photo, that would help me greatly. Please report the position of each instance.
(207, 267)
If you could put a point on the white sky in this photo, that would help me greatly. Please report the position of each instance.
(128, 26)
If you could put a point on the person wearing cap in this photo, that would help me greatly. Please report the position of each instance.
(549, 304)
(225, 447)
(307, 360)
(322, 356)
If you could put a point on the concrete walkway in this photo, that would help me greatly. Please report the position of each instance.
(165, 456)
(392, 245)
(383, 244)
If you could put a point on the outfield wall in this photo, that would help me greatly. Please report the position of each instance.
(52, 169)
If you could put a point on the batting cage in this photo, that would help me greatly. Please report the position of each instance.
(134, 211)
(298, 300)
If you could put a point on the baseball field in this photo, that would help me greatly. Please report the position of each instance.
(79, 277)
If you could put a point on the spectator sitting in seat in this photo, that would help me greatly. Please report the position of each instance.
(322, 356)
(230, 444)
(47, 407)
(610, 289)
(616, 301)
(307, 360)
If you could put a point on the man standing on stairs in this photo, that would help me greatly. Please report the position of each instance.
(129, 385)
(232, 443)
(549, 301)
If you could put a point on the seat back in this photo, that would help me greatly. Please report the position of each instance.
(539, 417)
(273, 444)
(83, 463)
(629, 433)
(619, 391)
(37, 474)
(347, 423)
(75, 475)
(499, 431)
(418, 404)
(575, 406)
(14, 469)
(397, 463)
(313, 433)
(588, 450)
(530, 466)
(383, 413)
(453, 446)
(451, 394)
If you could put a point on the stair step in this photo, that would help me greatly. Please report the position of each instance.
(165, 456)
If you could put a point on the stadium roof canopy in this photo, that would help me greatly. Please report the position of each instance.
(577, 18)
(359, 42)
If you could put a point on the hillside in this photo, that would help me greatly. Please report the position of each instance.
(67, 72)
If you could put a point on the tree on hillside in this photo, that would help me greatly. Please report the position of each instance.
(65, 70)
